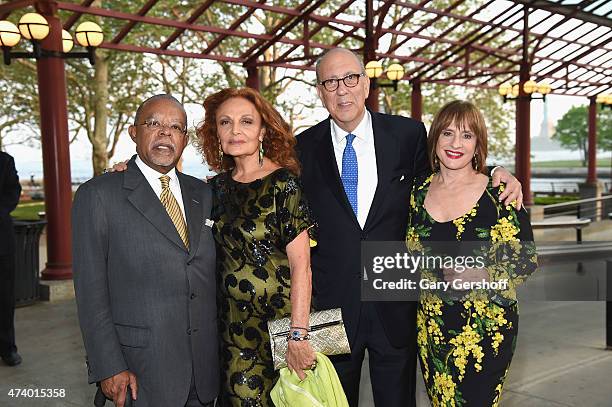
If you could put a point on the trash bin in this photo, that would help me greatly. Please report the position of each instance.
(27, 236)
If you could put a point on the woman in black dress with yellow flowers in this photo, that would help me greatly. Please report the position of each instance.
(263, 230)
(466, 346)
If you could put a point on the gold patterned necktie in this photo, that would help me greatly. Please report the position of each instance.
(173, 209)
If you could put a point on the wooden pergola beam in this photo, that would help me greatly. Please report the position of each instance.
(75, 16)
(232, 27)
(175, 24)
(509, 41)
(506, 27)
(314, 31)
(7, 8)
(565, 10)
(576, 58)
(169, 52)
(248, 53)
(461, 60)
(131, 24)
(192, 19)
(466, 40)
(287, 27)
(411, 13)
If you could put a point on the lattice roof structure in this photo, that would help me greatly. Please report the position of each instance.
(459, 43)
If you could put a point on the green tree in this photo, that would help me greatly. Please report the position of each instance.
(572, 130)
(101, 99)
(19, 111)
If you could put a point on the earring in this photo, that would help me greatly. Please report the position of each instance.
(220, 154)
(475, 161)
(261, 154)
(436, 163)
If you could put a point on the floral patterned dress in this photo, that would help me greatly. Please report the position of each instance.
(465, 347)
(254, 222)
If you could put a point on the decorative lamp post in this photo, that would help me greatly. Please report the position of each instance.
(51, 45)
(67, 42)
(374, 70)
(9, 34)
(34, 27)
(511, 92)
(605, 101)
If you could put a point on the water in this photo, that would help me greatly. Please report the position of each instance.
(82, 170)
(192, 165)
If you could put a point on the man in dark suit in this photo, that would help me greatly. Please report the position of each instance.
(358, 171)
(10, 190)
(144, 271)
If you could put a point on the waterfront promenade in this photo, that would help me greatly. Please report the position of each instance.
(560, 359)
(559, 362)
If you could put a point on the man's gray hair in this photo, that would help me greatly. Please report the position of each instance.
(161, 96)
(333, 50)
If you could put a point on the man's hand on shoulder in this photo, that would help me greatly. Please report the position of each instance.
(115, 387)
(119, 167)
(513, 190)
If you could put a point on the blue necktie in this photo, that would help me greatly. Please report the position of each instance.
(350, 171)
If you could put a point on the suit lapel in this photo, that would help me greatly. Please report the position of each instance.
(329, 170)
(387, 150)
(148, 204)
(193, 213)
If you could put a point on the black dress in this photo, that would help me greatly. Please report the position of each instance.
(465, 347)
(254, 222)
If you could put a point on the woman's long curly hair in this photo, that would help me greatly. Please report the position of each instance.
(278, 142)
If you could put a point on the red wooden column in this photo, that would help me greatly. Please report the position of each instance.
(416, 98)
(55, 148)
(523, 143)
(523, 136)
(369, 54)
(592, 173)
(252, 80)
(372, 100)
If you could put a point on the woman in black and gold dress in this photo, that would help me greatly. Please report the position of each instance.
(465, 347)
(263, 230)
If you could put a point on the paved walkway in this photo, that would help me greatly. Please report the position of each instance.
(559, 362)
(560, 359)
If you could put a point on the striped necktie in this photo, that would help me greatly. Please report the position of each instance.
(350, 172)
(173, 209)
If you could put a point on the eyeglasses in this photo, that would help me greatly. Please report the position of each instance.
(350, 81)
(174, 129)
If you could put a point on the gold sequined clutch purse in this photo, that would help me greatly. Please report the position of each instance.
(327, 335)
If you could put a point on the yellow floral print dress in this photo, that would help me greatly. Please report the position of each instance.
(465, 347)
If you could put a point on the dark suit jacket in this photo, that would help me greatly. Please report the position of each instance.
(10, 190)
(145, 303)
(400, 145)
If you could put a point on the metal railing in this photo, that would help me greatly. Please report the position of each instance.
(581, 208)
(540, 187)
(574, 214)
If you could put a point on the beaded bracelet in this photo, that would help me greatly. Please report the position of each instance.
(299, 327)
(298, 338)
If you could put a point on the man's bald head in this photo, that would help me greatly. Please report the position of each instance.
(159, 132)
(345, 103)
(162, 96)
(335, 51)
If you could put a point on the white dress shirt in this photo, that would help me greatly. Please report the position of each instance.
(152, 177)
(367, 175)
